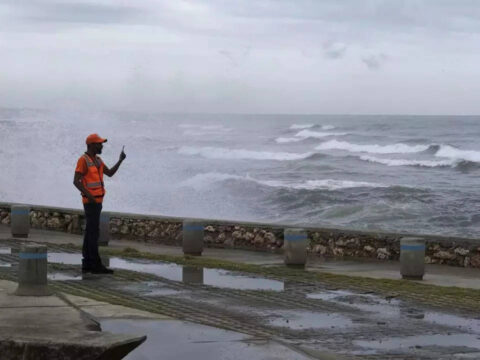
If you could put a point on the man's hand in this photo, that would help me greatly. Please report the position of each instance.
(122, 154)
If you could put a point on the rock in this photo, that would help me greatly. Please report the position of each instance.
(54, 223)
(270, 238)
(369, 249)
(428, 260)
(155, 232)
(461, 251)
(116, 222)
(338, 252)
(383, 254)
(258, 241)
(466, 262)
(339, 243)
(237, 235)
(444, 255)
(249, 236)
(67, 218)
(6, 220)
(475, 261)
(209, 228)
(124, 229)
(139, 231)
(208, 239)
(352, 243)
(320, 249)
(221, 237)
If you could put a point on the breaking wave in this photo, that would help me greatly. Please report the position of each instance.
(309, 126)
(374, 149)
(450, 152)
(201, 181)
(307, 134)
(405, 162)
(241, 154)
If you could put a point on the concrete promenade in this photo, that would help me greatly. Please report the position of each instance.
(235, 304)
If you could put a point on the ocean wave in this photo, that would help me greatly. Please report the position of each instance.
(204, 180)
(405, 162)
(283, 140)
(309, 126)
(301, 126)
(374, 148)
(241, 154)
(307, 134)
(450, 152)
(317, 134)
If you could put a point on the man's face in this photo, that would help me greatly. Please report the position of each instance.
(98, 148)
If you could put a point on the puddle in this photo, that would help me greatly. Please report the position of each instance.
(151, 288)
(298, 320)
(470, 325)
(174, 272)
(453, 340)
(5, 250)
(211, 277)
(63, 276)
(5, 264)
(178, 340)
(65, 258)
(366, 302)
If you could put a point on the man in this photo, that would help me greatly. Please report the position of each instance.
(89, 180)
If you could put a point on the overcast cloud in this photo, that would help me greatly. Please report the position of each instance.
(262, 56)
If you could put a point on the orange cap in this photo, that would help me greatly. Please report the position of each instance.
(94, 139)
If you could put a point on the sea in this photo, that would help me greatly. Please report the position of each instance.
(402, 173)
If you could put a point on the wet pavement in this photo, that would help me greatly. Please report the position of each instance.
(259, 317)
(178, 340)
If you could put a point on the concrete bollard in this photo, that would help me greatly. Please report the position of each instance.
(20, 220)
(295, 242)
(32, 271)
(104, 237)
(192, 243)
(412, 258)
(192, 275)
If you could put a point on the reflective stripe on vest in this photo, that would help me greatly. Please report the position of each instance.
(94, 184)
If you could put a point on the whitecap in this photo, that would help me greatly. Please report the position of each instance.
(371, 148)
(317, 134)
(405, 162)
(450, 152)
(240, 154)
(301, 126)
(324, 184)
(283, 140)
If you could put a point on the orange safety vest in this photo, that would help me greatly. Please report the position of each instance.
(93, 179)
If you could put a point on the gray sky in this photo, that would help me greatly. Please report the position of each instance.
(249, 56)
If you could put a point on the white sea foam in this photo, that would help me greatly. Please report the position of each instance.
(405, 162)
(324, 184)
(307, 134)
(449, 152)
(317, 134)
(238, 154)
(328, 127)
(374, 149)
(308, 126)
(301, 126)
(202, 181)
(283, 140)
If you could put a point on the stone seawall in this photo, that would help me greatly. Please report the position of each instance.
(263, 237)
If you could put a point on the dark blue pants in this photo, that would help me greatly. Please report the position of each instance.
(91, 258)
